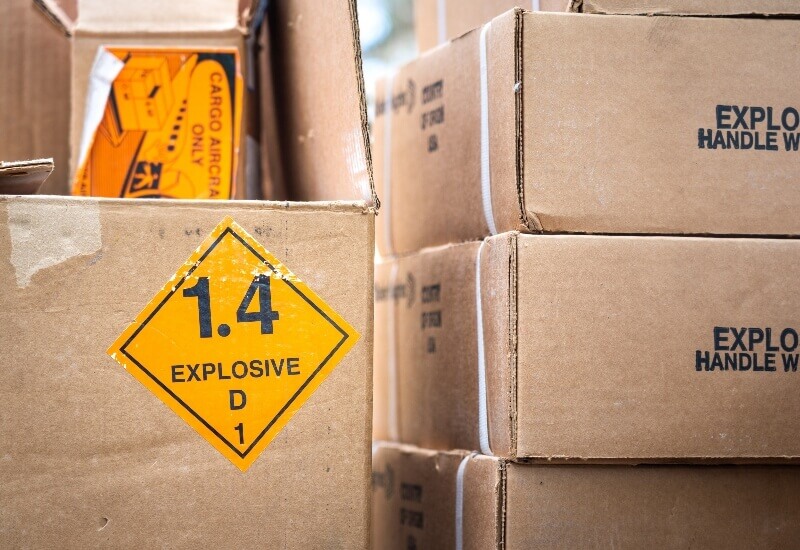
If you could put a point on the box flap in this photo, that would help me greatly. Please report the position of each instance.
(24, 177)
(153, 16)
(320, 100)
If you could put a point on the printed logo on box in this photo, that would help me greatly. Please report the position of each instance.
(234, 343)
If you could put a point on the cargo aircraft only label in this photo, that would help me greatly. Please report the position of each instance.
(234, 343)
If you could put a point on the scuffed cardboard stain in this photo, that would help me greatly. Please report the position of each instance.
(46, 234)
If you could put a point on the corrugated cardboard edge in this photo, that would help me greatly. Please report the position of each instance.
(501, 491)
(513, 319)
(376, 203)
(528, 220)
(24, 177)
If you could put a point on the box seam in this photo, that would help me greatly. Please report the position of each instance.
(512, 343)
(502, 504)
(528, 220)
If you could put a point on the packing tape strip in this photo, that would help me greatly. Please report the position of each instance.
(483, 409)
(486, 177)
(462, 468)
(386, 199)
(391, 359)
(441, 21)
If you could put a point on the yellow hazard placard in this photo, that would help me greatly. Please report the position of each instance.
(167, 124)
(234, 343)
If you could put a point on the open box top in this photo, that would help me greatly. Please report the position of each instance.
(321, 111)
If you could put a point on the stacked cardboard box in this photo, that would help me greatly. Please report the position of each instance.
(166, 449)
(587, 225)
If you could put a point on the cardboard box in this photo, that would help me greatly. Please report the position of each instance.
(737, 8)
(91, 457)
(437, 21)
(592, 348)
(592, 125)
(308, 163)
(415, 498)
(94, 455)
(35, 64)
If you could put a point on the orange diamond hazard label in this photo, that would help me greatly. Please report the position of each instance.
(234, 343)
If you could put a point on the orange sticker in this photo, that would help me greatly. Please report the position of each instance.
(169, 127)
(234, 343)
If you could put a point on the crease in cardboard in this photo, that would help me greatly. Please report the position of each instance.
(70, 231)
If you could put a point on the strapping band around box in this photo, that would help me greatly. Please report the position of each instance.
(386, 199)
(462, 468)
(483, 414)
(486, 177)
(391, 360)
(535, 5)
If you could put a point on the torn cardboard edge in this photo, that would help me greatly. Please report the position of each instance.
(24, 177)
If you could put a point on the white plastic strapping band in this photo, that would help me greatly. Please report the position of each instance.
(388, 238)
(462, 468)
(535, 5)
(391, 359)
(441, 21)
(483, 414)
(105, 69)
(486, 183)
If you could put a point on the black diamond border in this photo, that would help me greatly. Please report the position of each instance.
(233, 233)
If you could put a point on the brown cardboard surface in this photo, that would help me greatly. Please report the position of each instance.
(437, 21)
(689, 7)
(580, 506)
(320, 100)
(413, 499)
(92, 458)
(35, 64)
(24, 177)
(593, 127)
(592, 346)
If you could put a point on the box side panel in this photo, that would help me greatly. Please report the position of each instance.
(431, 135)
(34, 90)
(618, 114)
(426, 307)
(677, 506)
(94, 458)
(428, 304)
(617, 336)
(414, 499)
